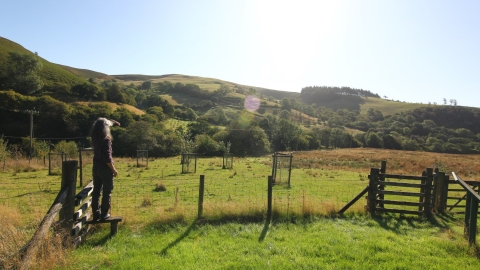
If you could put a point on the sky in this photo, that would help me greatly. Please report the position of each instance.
(408, 50)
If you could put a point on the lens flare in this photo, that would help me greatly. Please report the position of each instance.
(251, 103)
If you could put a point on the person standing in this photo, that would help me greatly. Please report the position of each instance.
(103, 170)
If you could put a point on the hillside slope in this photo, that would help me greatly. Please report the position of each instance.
(53, 75)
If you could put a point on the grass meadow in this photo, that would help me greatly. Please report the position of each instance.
(159, 205)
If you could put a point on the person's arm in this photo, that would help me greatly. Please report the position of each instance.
(112, 167)
(115, 122)
(107, 154)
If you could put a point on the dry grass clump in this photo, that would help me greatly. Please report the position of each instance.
(14, 235)
(22, 165)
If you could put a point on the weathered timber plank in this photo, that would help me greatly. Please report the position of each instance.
(401, 193)
(84, 193)
(399, 211)
(404, 177)
(400, 184)
(82, 209)
(456, 206)
(402, 203)
(79, 225)
(353, 200)
(113, 223)
(108, 220)
(470, 182)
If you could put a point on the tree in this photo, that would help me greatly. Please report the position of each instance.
(88, 91)
(373, 140)
(190, 114)
(374, 115)
(390, 142)
(218, 116)
(206, 145)
(70, 148)
(199, 127)
(146, 85)
(222, 91)
(285, 114)
(252, 141)
(157, 111)
(287, 104)
(21, 74)
(139, 135)
(287, 135)
(115, 94)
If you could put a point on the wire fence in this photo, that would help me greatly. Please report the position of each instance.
(148, 194)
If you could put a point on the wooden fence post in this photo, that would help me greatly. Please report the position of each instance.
(372, 190)
(438, 198)
(201, 192)
(472, 224)
(445, 192)
(49, 163)
(269, 197)
(383, 169)
(80, 166)
(428, 192)
(422, 191)
(69, 179)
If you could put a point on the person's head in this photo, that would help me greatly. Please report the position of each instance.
(100, 130)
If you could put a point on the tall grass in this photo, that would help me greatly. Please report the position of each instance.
(16, 233)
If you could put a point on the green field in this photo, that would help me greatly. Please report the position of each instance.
(388, 107)
(160, 230)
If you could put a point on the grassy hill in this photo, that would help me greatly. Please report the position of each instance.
(52, 74)
(388, 107)
(55, 74)
(85, 73)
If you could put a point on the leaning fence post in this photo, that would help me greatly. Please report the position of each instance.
(201, 192)
(69, 179)
(372, 190)
(269, 197)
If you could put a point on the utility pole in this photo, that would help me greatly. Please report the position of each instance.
(31, 112)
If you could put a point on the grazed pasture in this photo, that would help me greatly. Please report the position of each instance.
(321, 183)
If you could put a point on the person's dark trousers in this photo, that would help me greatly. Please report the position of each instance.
(102, 180)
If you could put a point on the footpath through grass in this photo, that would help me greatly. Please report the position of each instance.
(353, 242)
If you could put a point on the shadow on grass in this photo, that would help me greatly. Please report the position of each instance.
(265, 230)
(395, 222)
(179, 239)
(100, 242)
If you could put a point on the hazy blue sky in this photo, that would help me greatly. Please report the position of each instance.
(408, 50)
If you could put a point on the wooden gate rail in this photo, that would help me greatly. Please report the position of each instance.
(471, 210)
(457, 204)
(379, 181)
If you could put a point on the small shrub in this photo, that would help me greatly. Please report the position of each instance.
(147, 201)
(160, 187)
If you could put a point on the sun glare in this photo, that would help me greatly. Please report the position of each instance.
(292, 35)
